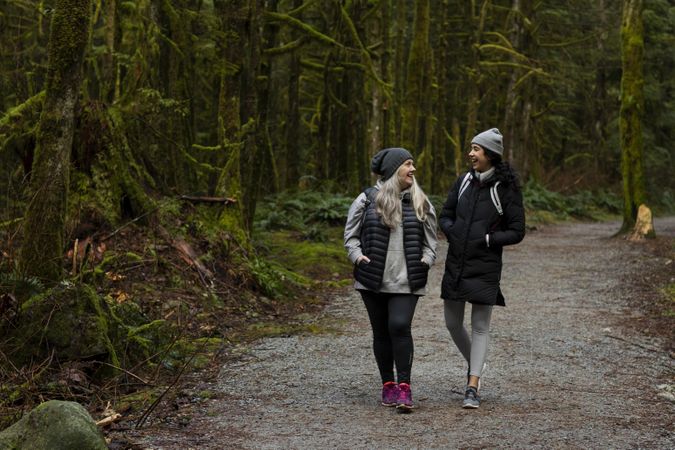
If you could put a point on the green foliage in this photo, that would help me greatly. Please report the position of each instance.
(659, 112)
(580, 205)
(318, 260)
(273, 279)
(666, 204)
(669, 293)
(302, 211)
(20, 286)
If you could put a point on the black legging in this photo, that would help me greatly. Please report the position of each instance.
(390, 318)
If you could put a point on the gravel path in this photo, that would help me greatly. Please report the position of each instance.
(562, 372)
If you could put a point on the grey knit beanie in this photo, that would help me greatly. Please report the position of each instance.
(490, 140)
(386, 162)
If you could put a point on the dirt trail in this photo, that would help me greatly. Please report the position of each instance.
(563, 372)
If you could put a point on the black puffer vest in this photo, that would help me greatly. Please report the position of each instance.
(375, 242)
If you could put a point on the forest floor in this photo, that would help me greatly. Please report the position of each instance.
(572, 364)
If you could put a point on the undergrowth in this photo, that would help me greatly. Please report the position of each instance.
(543, 205)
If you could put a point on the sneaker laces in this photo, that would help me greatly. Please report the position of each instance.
(471, 392)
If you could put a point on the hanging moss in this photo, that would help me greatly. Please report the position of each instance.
(21, 119)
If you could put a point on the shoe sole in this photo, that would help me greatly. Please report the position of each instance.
(403, 409)
(470, 406)
(388, 404)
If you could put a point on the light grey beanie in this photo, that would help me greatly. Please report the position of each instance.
(490, 140)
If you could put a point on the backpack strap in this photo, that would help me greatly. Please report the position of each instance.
(464, 185)
(370, 195)
(494, 194)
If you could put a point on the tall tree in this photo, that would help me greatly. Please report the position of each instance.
(292, 136)
(42, 250)
(477, 24)
(417, 111)
(233, 15)
(632, 110)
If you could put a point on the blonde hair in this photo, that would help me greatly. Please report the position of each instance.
(388, 202)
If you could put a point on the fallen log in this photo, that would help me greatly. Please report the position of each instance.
(200, 199)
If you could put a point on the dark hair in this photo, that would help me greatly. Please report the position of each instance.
(503, 170)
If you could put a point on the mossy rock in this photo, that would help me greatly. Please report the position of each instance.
(54, 425)
(75, 323)
(71, 320)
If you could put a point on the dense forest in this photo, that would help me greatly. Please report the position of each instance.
(255, 97)
(128, 119)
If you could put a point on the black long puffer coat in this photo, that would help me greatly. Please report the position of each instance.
(472, 268)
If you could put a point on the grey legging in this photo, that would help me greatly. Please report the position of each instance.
(475, 349)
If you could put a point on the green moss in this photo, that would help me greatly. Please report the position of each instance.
(206, 394)
(322, 261)
(53, 425)
(76, 323)
(148, 336)
(70, 319)
(139, 400)
(669, 292)
(632, 111)
(198, 351)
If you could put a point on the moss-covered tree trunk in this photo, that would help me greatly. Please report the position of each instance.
(232, 16)
(250, 169)
(292, 135)
(42, 249)
(417, 105)
(399, 69)
(110, 86)
(473, 91)
(632, 109)
(385, 69)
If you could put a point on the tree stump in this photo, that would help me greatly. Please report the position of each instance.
(644, 225)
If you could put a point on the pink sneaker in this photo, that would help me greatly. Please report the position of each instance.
(404, 402)
(389, 393)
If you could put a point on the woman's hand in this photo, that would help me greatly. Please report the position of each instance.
(362, 258)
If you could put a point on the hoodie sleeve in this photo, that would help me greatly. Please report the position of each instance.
(352, 236)
(430, 237)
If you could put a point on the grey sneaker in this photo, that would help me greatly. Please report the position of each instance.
(471, 398)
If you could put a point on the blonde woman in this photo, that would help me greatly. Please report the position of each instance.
(390, 237)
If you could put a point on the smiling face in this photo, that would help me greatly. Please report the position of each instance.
(478, 158)
(405, 174)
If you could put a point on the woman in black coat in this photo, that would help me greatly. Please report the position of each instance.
(483, 213)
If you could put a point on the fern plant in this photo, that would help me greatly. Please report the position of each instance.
(19, 286)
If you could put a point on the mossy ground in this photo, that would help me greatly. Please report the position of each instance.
(178, 317)
(323, 261)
